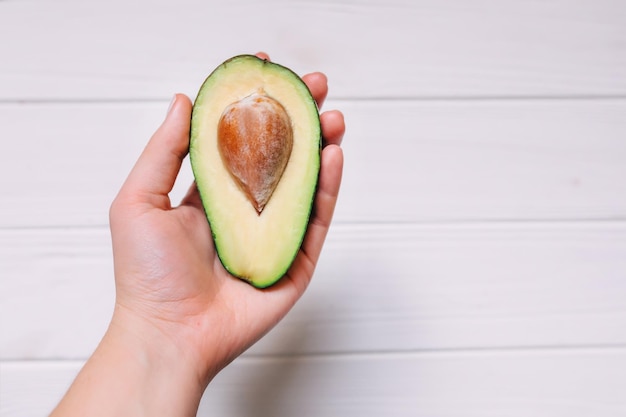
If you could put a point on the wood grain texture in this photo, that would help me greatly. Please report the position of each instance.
(405, 161)
(427, 48)
(478, 263)
(541, 383)
(377, 288)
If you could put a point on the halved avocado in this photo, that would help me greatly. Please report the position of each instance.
(255, 153)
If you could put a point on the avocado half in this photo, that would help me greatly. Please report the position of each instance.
(255, 146)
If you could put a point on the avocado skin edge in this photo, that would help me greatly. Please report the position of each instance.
(279, 275)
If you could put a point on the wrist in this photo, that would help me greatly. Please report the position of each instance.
(161, 357)
(136, 370)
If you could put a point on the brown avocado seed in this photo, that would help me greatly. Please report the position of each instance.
(255, 138)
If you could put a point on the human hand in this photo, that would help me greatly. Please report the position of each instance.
(168, 276)
(179, 317)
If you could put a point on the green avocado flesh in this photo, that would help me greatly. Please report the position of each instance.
(255, 154)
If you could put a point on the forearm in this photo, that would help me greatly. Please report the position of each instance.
(134, 374)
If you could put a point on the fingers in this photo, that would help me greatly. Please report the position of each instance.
(154, 173)
(333, 127)
(318, 85)
(325, 201)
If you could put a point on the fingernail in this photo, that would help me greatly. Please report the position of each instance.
(169, 108)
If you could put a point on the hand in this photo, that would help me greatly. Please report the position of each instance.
(176, 306)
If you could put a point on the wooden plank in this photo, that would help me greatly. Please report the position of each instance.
(484, 161)
(68, 161)
(437, 384)
(377, 288)
(150, 49)
(56, 292)
(405, 161)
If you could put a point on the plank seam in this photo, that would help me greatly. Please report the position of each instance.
(618, 221)
(439, 352)
(374, 99)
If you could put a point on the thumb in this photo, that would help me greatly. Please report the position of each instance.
(154, 173)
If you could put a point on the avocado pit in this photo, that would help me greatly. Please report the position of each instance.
(255, 139)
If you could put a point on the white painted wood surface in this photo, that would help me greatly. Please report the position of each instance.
(515, 383)
(377, 48)
(478, 262)
(443, 161)
(510, 286)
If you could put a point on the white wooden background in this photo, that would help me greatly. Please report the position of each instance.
(477, 265)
